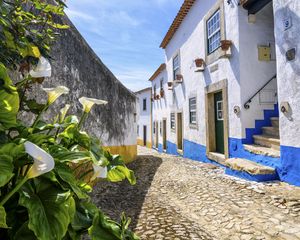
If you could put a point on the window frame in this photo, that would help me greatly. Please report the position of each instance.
(194, 111)
(177, 68)
(172, 123)
(215, 32)
(144, 104)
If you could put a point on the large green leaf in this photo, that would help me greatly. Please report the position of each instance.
(13, 150)
(65, 173)
(50, 210)
(6, 169)
(119, 173)
(2, 217)
(105, 229)
(9, 100)
(25, 233)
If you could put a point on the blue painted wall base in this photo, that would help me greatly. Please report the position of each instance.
(237, 150)
(290, 169)
(250, 177)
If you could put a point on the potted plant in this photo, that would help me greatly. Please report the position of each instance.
(225, 45)
(170, 85)
(162, 93)
(157, 97)
(199, 62)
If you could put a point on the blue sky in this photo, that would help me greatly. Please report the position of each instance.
(125, 34)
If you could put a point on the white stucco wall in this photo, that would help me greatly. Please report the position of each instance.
(288, 71)
(161, 107)
(144, 116)
(254, 73)
(189, 41)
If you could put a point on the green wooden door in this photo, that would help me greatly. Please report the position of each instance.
(219, 122)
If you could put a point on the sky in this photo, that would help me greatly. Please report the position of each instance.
(125, 34)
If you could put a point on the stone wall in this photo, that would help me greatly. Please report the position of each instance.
(76, 66)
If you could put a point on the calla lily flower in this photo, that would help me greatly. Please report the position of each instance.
(55, 93)
(99, 172)
(43, 161)
(63, 112)
(42, 69)
(88, 103)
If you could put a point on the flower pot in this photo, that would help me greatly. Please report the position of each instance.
(179, 77)
(225, 45)
(157, 97)
(199, 62)
(162, 93)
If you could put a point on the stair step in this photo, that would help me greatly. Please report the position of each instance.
(275, 122)
(261, 150)
(253, 168)
(272, 131)
(267, 141)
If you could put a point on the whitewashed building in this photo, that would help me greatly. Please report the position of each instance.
(144, 115)
(231, 82)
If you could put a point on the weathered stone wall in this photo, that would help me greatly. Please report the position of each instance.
(76, 66)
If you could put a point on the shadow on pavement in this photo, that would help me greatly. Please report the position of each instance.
(114, 198)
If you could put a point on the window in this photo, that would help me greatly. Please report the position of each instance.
(176, 66)
(173, 121)
(213, 32)
(138, 129)
(161, 84)
(154, 90)
(220, 110)
(144, 104)
(154, 128)
(193, 110)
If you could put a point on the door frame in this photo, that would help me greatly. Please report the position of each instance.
(156, 134)
(164, 122)
(145, 135)
(177, 130)
(210, 90)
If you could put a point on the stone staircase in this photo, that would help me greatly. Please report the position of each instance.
(268, 143)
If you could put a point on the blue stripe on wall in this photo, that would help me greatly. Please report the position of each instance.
(236, 150)
(172, 148)
(257, 130)
(160, 148)
(290, 170)
(250, 177)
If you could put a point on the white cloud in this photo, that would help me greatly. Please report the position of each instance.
(79, 15)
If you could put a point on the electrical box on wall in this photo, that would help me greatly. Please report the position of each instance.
(264, 53)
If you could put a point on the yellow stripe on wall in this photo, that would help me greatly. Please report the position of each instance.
(140, 142)
(128, 153)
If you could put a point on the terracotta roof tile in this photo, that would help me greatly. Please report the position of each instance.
(184, 10)
(158, 71)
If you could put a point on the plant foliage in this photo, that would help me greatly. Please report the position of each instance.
(47, 168)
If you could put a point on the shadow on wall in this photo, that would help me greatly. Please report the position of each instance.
(286, 40)
(114, 198)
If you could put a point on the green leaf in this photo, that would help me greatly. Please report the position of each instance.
(25, 233)
(6, 169)
(50, 210)
(119, 173)
(105, 229)
(13, 150)
(2, 217)
(9, 100)
(83, 219)
(65, 173)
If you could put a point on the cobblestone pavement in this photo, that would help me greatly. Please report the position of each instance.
(177, 198)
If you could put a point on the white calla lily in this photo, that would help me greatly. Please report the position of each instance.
(88, 103)
(42, 69)
(55, 93)
(63, 112)
(99, 172)
(43, 161)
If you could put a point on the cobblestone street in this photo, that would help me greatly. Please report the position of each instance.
(177, 198)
